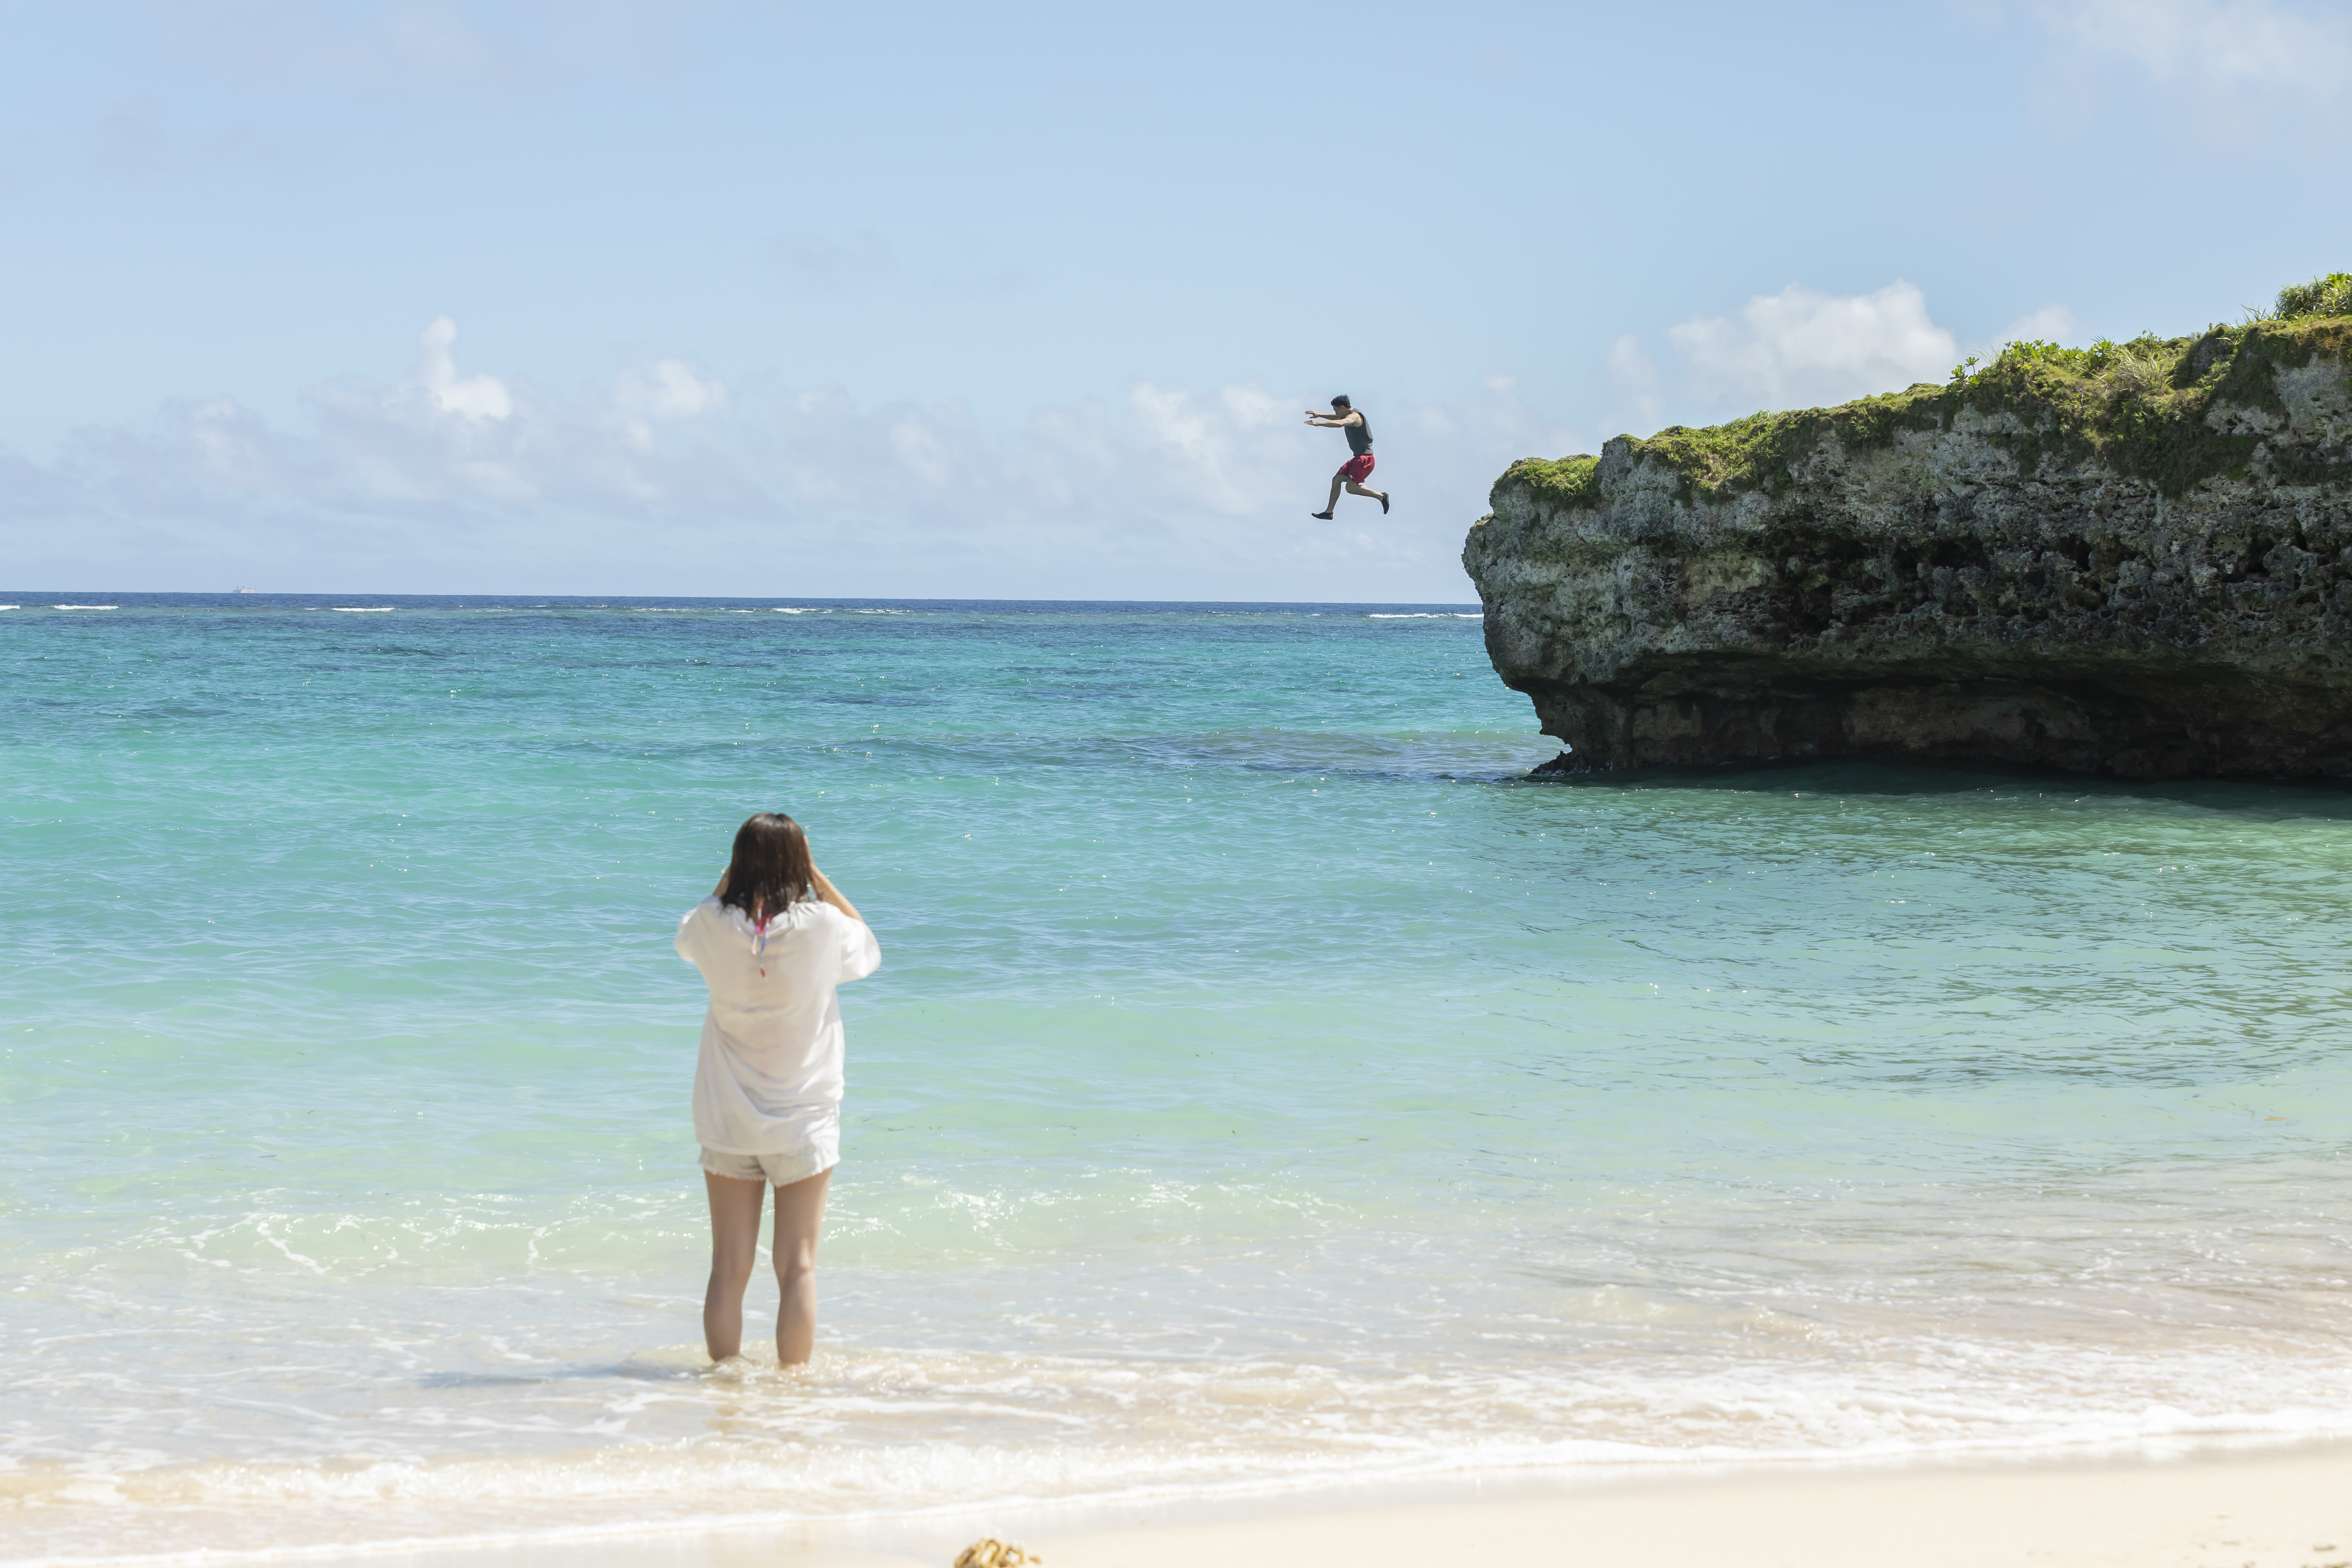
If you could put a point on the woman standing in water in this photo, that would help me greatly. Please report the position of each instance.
(772, 941)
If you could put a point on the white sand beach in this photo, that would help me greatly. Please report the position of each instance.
(2288, 1508)
(2225, 1513)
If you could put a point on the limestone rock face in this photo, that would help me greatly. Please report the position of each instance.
(2134, 560)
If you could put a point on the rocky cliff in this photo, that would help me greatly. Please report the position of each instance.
(2133, 559)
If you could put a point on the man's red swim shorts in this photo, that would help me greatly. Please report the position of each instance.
(1357, 468)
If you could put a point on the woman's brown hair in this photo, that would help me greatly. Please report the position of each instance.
(771, 869)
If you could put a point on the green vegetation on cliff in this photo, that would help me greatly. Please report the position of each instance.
(2328, 296)
(2138, 408)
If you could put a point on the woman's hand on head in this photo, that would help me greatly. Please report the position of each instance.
(831, 894)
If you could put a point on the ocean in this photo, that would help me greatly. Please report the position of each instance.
(1267, 1084)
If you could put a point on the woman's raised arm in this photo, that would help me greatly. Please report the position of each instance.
(832, 895)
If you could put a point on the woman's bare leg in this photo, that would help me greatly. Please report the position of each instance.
(734, 1248)
(799, 1210)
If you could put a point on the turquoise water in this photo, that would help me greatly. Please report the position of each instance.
(1266, 1083)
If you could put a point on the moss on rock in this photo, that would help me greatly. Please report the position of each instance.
(1564, 481)
(2140, 406)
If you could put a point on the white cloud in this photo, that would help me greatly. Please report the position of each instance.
(1800, 347)
(671, 390)
(1633, 382)
(1213, 453)
(478, 396)
(2216, 43)
(669, 480)
(2050, 323)
(1251, 406)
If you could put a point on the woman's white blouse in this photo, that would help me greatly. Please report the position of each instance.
(771, 1039)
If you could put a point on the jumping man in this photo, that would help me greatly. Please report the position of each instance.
(1359, 466)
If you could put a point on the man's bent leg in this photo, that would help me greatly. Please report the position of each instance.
(1332, 501)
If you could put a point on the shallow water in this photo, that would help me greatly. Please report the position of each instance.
(1264, 1081)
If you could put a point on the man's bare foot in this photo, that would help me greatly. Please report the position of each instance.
(1324, 515)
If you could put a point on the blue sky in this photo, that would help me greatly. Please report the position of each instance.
(929, 299)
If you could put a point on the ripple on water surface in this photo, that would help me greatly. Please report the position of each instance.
(1267, 1082)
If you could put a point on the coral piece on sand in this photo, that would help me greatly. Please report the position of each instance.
(990, 1552)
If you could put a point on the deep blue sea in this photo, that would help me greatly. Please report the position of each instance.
(1267, 1083)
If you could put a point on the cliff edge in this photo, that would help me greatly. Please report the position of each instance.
(2132, 559)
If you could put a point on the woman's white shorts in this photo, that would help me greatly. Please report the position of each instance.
(816, 1154)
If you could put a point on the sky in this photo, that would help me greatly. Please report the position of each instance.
(929, 300)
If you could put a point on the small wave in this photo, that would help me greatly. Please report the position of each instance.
(870, 1430)
(360, 609)
(799, 610)
(1425, 615)
(85, 606)
(11, 606)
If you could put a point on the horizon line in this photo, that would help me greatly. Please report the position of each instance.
(781, 599)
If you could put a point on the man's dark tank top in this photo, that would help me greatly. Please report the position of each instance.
(1359, 435)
